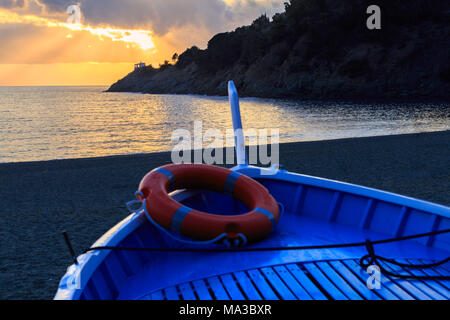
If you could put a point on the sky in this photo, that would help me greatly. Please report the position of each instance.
(44, 43)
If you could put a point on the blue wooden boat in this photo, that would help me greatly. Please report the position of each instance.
(305, 258)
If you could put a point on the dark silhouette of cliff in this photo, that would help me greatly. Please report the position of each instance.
(318, 49)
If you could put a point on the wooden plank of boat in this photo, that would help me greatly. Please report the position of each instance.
(202, 290)
(293, 284)
(277, 283)
(231, 287)
(247, 286)
(324, 282)
(356, 283)
(218, 289)
(305, 281)
(262, 285)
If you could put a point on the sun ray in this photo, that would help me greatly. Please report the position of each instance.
(139, 37)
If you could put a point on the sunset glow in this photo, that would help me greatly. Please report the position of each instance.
(39, 47)
(142, 38)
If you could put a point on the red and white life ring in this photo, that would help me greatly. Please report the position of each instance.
(172, 215)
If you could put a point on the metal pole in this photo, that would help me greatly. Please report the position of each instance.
(239, 140)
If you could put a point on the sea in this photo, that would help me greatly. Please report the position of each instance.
(50, 123)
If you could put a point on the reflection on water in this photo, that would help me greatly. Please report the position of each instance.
(43, 123)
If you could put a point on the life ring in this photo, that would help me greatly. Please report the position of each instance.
(172, 215)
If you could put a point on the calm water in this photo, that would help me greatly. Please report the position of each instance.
(44, 123)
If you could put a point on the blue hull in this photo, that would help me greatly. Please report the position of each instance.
(316, 212)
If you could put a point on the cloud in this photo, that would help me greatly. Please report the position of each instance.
(37, 47)
(173, 25)
(30, 44)
(13, 4)
(55, 5)
(161, 16)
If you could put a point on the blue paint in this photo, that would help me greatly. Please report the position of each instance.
(231, 182)
(178, 218)
(269, 215)
(169, 176)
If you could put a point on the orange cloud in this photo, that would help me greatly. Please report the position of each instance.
(142, 38)
(41, 51)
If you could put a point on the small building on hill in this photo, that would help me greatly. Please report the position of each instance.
(139, 66)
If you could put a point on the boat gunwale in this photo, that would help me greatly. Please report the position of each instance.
(349, 188)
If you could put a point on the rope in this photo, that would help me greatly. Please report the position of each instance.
(242, 240)
(372, 259)
(216, 239)
(296, 248)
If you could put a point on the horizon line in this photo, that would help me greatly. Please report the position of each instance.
(56, 85)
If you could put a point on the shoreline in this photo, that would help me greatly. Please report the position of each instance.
(86, 197)
(363, 99)
(163, 153)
